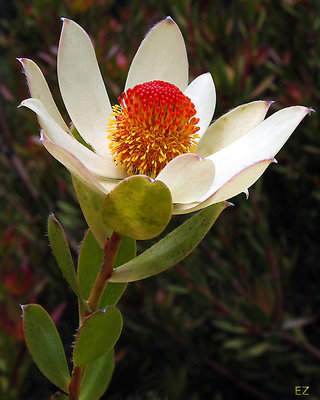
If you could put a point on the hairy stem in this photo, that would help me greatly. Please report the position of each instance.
(74, 386)
(110, 253)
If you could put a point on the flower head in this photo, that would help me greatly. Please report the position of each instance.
(160, 128)
(154, 123)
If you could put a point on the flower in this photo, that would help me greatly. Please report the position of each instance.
(160, 128)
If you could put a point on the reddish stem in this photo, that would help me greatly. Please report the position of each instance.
(74, 386)
(110, 253)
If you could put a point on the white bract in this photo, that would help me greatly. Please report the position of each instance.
(230, 155)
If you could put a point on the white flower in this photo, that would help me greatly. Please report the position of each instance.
(230, 155)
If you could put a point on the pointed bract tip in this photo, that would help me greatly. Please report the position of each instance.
(270, 102)
(21, 104)
(167, 20)
(171, 21)
(65, 20)
(311, 110)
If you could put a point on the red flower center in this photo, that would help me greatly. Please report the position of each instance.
(154, 123)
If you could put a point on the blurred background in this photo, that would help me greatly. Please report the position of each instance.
(239, 318)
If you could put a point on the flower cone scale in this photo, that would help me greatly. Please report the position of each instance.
(223, 159)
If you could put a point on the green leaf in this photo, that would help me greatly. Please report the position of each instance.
(127, 251)
(90, 203)
(98, 334)
(171, 249)
(112, 294)
(61, 251)
(138, 207)
(90, 260)
(97, 376)
(45, 345)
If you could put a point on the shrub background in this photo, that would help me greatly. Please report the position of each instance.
(239, 317)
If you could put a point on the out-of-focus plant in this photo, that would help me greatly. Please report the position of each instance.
(130, 181)
(222, 38)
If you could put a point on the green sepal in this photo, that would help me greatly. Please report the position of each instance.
(90, 260)
(97, 376)
(61, 251)
(97, 335)
(138, 207)
(45, 345)
(171, 249)
(90, 203)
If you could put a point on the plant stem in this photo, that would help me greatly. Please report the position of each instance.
(110, 253)
(74, 386)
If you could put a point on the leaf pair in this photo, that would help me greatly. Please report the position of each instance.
(100, 331)
(93, 346)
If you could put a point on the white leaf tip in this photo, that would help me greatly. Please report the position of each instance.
(24, 102)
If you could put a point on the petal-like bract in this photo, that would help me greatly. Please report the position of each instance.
(95, 163)
(39, 89)
(188, 177)
(82, 87)
(241, 164)
(202, 93)
(231, 126)
(161, 56)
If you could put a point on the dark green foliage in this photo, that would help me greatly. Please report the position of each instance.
(238, 319)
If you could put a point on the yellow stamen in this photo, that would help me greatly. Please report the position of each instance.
(154, 123)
